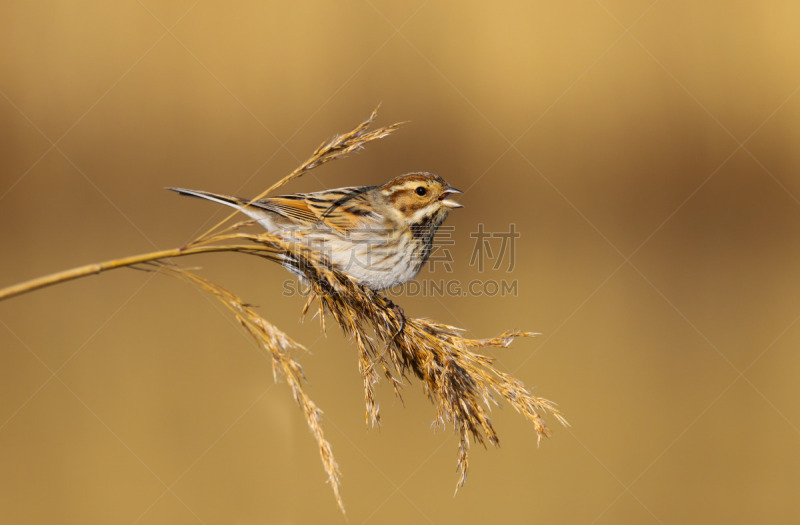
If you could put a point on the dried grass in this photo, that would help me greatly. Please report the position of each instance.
(461, 383)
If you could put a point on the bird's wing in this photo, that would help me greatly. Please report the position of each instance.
(292, 207)
(342, 209)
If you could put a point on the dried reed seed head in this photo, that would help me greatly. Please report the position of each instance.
(461, 383)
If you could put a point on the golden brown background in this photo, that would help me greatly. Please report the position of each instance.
(647, 153)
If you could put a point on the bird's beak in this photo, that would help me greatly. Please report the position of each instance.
(447, 202)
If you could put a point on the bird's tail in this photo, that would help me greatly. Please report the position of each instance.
(227, 200)
(264, 217)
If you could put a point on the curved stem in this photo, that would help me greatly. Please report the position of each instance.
(92, 269)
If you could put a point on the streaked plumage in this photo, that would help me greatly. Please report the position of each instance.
(380, 235)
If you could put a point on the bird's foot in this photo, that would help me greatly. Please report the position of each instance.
(398, 310)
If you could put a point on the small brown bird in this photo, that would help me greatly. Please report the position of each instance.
(379, 235)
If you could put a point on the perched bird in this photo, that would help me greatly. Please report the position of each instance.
(379, 235)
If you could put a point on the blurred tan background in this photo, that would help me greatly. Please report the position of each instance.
(646, 152)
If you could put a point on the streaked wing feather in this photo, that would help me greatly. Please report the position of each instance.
(340, 209)
(296, 210)
(347, 208)
(348, 216)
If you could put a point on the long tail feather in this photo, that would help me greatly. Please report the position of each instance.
(216, 197)
(254, 211)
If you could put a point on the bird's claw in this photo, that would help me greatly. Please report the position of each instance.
(398, 310)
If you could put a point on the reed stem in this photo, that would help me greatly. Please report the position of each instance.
(95, 268)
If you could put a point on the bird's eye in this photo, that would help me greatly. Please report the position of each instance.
(421, 190)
